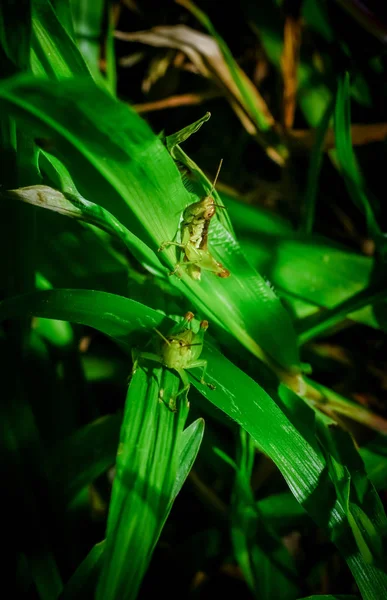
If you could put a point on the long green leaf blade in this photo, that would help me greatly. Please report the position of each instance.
(295, 454)
(146, 467)
(123, 150)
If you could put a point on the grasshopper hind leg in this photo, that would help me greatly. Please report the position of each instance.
(202, 363)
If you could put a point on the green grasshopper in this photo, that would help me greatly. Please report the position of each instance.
(194, 238)
(180, 349)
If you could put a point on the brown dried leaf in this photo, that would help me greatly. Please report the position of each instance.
(174, 101)
(206, 56)
(289, 66)
(304, 139)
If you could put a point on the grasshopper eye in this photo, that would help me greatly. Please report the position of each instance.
(209, 213)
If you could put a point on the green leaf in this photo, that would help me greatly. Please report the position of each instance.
(374, 455)
(146, 468)
(222, 237)
(87, 454)
(111, 68)
(315, 325)
(242, 399)
(282, 511)
(177, 138)
(53, 51)
(357, 494)
(317, 19)
(87, 19)
(149, 196)
(314, 170)
(265, 562)
(73, 205)
(349, 167)
(310, 268)
(173, 144)
(190, 441)
(82, 583)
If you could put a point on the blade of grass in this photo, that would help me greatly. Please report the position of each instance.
(155, 200)
(146, 468)
(251, 99)
(82, 583)
(309, 269)
(189, 445)
(349, 167)
(73, 205)
(222, 232)
(264, 560)
(296, 454)
(318, 324)
(173, 142)
(53, 52)
(282, 511)
(374, 455)
(314, 171)
(84, 579)
(87, 19)
(354, 489)
(111, 69)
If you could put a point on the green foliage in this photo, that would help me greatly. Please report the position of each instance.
(96, 455)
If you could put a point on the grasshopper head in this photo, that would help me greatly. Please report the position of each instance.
(176, 351)
(208, 207)
(202, 210)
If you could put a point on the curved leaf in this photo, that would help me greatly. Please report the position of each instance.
(148, 197)
(295, 454)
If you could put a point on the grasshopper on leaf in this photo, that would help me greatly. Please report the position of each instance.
(180, 349)
(194, 238)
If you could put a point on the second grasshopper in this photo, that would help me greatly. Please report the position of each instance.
(194, 238)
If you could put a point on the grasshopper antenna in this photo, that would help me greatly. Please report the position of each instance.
(216, 177)
(162, 336)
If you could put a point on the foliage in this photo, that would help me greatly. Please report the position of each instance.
(285, 450)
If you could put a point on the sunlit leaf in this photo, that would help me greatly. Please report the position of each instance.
(278, 435)
(149, 197)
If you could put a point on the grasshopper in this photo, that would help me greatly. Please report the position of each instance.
(194, 238)
(180, 349)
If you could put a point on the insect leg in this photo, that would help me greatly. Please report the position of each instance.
(167, 244)
(202, 363)
(185, 380)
